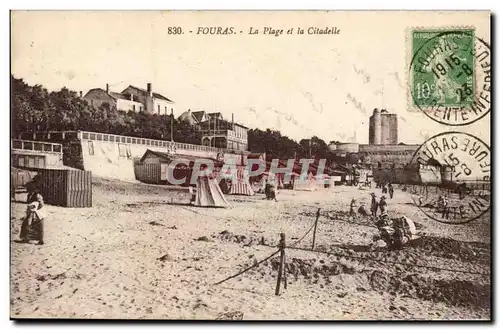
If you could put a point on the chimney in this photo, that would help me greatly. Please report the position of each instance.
(232, 121)
(150, 89)
(81, 94)
(107, 88)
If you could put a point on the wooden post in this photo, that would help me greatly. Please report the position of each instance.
(315, 225)
(284, 267)
(172, 124)
(282, 260)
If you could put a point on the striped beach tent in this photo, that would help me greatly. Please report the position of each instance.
(241, 184)
(208, 193)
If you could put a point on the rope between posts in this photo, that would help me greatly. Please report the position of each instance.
(247, 269)
(300, 239)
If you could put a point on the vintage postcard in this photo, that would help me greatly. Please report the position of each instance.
(251, 165)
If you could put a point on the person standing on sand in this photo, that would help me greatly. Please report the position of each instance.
(382, 205)
(391, 190)
(374, 205)
(352, 211)
(35, 204)
(446, 210)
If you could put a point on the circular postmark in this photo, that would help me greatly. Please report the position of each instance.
(451, 172)
(450, 75)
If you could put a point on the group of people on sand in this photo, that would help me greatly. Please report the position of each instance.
(394, 233)
(375, 206)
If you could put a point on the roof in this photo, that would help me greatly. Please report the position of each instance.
(118, 96)
(155, 95)
(114, 95)
(223, 121)
(255, 155)
(97, 89)
(243, 126)
(198, 115)
(162, 155)
(188, 115)
(215, 114)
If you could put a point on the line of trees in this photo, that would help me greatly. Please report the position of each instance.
(33, 109)
(280, 146)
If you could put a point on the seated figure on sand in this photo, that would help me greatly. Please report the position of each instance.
(393, 233)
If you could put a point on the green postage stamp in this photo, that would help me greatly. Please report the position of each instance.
(449, 74)
(442, 68)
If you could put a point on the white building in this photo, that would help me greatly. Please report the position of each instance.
(131, 99)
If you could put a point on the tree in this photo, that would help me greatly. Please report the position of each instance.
(272, 143)
(30, 107)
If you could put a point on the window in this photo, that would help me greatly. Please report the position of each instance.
(99, 137)
(47, 147)
(91, 148)
(85, 136)
(158, 109)
(133, 107)
(31, 161)
(72, 135)
(122, 150)
(140, 108)
(105, 137)
(21, 161)
(28, 145)
(128, 140)
(133, 140)
(17, 145)
(37, 146)
(40, 162)
(57, 148)
(122, 138)
(92, 136)
(112, 138)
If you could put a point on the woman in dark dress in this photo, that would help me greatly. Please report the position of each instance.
(33, 220)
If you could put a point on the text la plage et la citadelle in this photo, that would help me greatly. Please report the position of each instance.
(264, 30)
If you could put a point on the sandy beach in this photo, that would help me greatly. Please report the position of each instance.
(142, 253)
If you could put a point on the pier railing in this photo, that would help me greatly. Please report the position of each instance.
(61, 136)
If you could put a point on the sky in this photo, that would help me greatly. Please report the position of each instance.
(302, 85)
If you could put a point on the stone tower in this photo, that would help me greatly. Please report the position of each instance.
(375, 131)
(383, 128)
